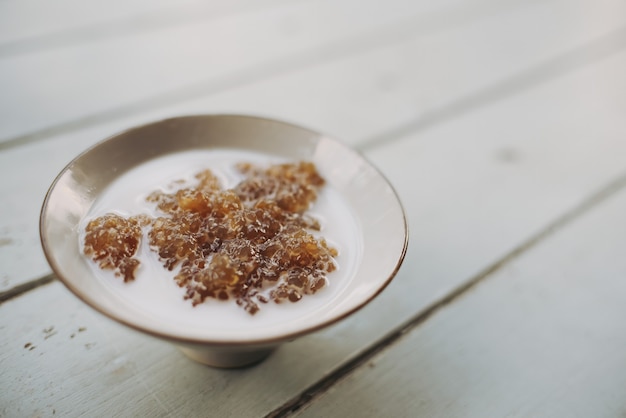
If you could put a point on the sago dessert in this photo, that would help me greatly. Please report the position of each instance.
(197, 235)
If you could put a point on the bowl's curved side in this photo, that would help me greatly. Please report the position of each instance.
(375, 204)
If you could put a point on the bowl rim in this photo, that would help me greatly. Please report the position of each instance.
(270, 341)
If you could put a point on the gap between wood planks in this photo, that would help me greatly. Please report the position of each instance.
(346, 369)
(372, 40)
(587, 54)
(116, 28)
(550, 69)
(25, 287)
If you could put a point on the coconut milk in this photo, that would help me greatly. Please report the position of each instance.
(154, 290)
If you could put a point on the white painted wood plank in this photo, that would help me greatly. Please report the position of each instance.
(57, 86)
(353, 99)
(543, 337)
(32, 24)
(473, 188)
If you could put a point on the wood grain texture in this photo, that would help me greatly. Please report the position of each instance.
(543, 337)
(511, 176)
(31, 25)
(492, 120)
(70, 83)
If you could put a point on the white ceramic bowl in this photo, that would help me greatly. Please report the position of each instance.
(379, 216)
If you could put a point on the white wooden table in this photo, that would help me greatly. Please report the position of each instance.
(501, 123)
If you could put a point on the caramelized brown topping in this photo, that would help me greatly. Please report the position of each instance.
(112, 241)
(249, 243)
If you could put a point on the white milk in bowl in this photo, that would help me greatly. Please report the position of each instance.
(154, 290)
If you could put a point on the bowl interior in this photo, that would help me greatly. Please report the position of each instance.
(376, 210)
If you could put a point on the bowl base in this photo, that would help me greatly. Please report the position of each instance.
(227, 357)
